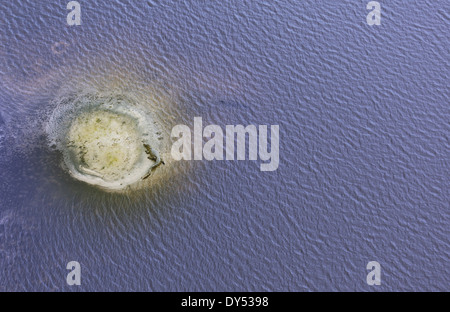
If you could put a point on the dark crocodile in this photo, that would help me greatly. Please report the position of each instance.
(153, 156)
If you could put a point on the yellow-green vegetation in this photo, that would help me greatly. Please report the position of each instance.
(105, 144)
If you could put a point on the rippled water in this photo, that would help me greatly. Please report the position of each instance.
(364, 146)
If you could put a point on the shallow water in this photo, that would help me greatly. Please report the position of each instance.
(364, 146)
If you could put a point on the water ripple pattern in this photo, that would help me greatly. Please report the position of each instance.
(364, 146)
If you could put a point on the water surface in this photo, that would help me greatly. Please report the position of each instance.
(364, 146)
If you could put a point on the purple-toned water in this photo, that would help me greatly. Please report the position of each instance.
(364, 120)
